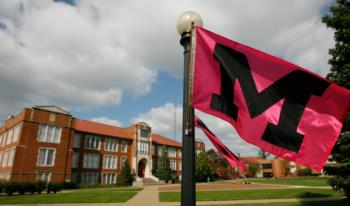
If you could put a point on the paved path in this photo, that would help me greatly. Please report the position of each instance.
(146, 197)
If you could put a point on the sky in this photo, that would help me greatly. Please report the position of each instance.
(120, 62)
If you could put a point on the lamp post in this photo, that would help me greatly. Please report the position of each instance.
(186, 22)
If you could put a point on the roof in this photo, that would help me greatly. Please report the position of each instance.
(159, 139)
(252, 160)
(52, 108)
(100, 129)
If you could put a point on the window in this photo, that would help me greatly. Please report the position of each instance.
(124, 146)
(9, 136)
(11, 157)
(0, 158)
(17, 130)
(109, 162)
(4, 139)
(142, 147)
(52, 117)
(5, 159)
(43, 176)
(171, 152)
(109, 178)
(90, 178)
(173, 164)
(161, 150)
(198, 151)
(74, 177)
(91, 160)
(144, 133)
(267, 166)
(5, 176)
(122, 161)
(153, 149)
(180, 165)
(76, 140)
(75, 160)
(46, 157)
(50, 133)
(179, 152)
(111, 144)
(92, 142)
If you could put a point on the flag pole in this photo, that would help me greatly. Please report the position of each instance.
(186, 23)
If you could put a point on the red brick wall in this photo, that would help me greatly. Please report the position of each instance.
(101, 152)
(25, 163)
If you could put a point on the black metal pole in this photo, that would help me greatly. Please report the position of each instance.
(188, 186)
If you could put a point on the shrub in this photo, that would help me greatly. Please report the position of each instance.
(125, 177)
(31, 187)
(304, 172)
(1, 186)
(53, 187)
(22, 187)
(253, 170)
(69, 185)
(40, 186)
(340, 184)
(10, 187)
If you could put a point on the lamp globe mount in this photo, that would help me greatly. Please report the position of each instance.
(187, 21)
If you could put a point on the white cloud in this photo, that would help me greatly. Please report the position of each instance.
(106, 120)
(161, 119)
(227, 134)
(164, 120)
(91, 54)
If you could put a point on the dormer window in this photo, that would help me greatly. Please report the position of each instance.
(144, 133)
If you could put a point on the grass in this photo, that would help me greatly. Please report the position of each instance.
(87, 196)
(252, 194)
(325, 203)
(106, 189)
(303, 181)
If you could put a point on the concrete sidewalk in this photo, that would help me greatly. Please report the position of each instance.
(146, 197)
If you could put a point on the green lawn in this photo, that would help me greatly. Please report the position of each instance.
(325, 203)
(252, 194)
(306, 181)
(97, 196)
(136, 189)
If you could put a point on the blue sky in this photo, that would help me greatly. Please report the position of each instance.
(119, 62)
(167, 89)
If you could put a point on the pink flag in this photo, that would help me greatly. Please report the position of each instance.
(222, 149)
(273, 104)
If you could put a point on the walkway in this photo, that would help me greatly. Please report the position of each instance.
(146, 197)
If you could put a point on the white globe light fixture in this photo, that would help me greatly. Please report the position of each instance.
(187, 21)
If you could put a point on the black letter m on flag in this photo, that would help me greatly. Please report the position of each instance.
(296, 87)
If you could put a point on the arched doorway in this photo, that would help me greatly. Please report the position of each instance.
(141, 168)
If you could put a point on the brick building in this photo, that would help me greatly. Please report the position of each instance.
(276, 168)
(47, 143)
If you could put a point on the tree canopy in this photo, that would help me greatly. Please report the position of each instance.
(339, 20)
(125, 177)
(163, 170)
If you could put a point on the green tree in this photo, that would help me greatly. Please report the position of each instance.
(125, 177)
(163, 171)
(263, 154)
(202, 170)
(216, 160)
(339, 20)
(253, 169)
